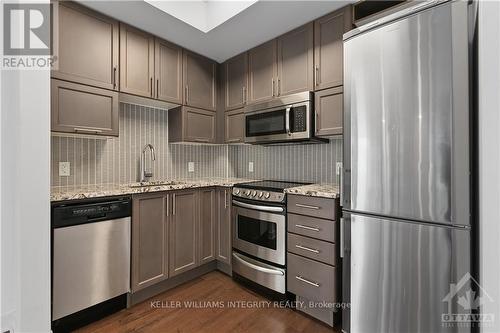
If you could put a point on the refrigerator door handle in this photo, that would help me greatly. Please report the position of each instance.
(341, 182)
(342, 222)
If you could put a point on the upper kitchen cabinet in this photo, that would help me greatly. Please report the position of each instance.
(199, 80)
(295, 61)
(86, 46)
(329, 109)
(136, 62)
(77, 108)
(262, 72)
(328, 49)
(235, 82)
(168, 72)
(187, 124)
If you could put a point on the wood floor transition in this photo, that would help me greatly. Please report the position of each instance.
(216, 296)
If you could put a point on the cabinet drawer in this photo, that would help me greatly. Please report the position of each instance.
(76, 108)
(312, 227)
(311, 206)
(311, 279)
(312, 248)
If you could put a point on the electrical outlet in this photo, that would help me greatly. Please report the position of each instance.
(338, 168)
(190, 166)
(64, 169)
(250, 166)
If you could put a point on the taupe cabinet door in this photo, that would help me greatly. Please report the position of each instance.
(296, 61)
(199, 80)
(262, 72)
(207, 221)
(223, 248)
(168, 72)
(234, 126)
(77, 108)
(328, 52)
(186, 124)
(86, 46)
(329, 107)
(183, 232)
(149, 240)
(136, 62)
(236, 82)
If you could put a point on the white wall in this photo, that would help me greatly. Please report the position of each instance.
(489, 156)
(24, 200)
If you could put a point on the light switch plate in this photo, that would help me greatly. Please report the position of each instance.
(250, 166)
(190, 166)
(64, 169)
(338, 168)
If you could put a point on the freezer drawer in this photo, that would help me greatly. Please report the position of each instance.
(399, 274)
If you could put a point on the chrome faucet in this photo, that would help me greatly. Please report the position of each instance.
(147, 174)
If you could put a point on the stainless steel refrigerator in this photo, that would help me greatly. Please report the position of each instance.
(406, 227)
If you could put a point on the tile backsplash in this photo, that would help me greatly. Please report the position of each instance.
(116, 160)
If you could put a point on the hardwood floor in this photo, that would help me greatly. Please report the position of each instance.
(211, 289)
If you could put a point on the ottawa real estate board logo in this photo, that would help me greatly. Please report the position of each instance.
(27, 36)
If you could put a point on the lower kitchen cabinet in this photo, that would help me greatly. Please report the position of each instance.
(329, 107)
(223, 247)
(234, 124)
(183, 240)
(187, 124)
(207, 225)
(149, 239)
(77, 108)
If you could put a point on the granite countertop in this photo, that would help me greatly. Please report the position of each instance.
(62, 193)
(316, 190)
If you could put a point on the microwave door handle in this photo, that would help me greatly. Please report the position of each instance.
(287, 121)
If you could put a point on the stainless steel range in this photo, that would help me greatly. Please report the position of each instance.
(259, 233)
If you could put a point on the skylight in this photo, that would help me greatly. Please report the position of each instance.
(204, 15)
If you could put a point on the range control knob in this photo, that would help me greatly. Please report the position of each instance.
(254, 193)
(237, 191)
(260, 194)
(247, 193)
(267, 195)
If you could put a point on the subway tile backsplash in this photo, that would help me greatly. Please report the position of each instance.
(116, 160)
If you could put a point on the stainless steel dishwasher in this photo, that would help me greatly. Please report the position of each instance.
(90, 260)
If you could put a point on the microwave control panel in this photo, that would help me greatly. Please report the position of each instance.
(299, 119)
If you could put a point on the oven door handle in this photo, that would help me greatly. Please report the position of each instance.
(258, 207)
(256, 267)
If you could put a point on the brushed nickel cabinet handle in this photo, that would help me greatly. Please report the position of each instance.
(272, 81)
(157, 88)
(152, 91)
(316, 75)
(300, 278)
(114, 77)
(316, 118)
(306, 227)
(307, 206)
(87, 130)
(244, 95)
(307, 248)
(166, 203)
(173, 204)
(279, 87)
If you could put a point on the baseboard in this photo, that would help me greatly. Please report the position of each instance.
(170, 283)
(224, 268)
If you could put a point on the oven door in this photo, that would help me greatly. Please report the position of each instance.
(259, 231)
(284, 123)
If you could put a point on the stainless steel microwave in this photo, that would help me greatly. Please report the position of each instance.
(287, 119)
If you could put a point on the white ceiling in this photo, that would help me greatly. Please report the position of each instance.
(253, 24)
